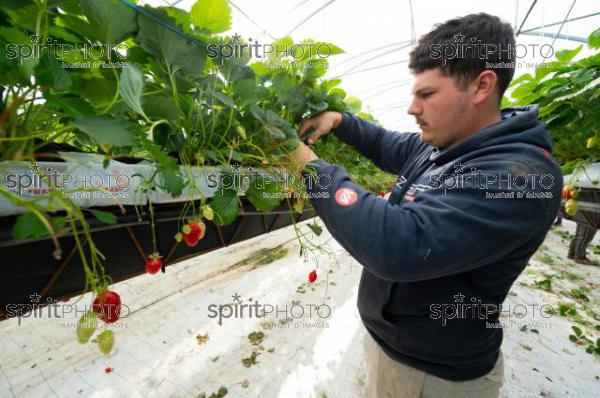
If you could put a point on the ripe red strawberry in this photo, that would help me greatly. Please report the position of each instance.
(108, 306)
(154, 263)
(312, 276)
(192, 232)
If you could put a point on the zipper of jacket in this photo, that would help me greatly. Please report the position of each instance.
(419, 170)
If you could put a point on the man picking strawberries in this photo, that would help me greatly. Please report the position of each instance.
(476, 195)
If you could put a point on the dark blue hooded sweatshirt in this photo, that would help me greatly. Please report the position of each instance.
(441, 253)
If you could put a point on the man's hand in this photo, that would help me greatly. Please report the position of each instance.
(302, 155)
(321, 124)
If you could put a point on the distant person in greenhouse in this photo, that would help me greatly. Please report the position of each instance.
(584, 234)
(441, 253)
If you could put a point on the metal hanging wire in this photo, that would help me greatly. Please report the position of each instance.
(318, 10)
(389, 88)
(412, 23)
(386, 84)
(286, 13)
(372, 68)
(563, 22)
(252, 21)
(376, 57)
(560, 22)
(192, 39)
(539, 30)
(526, 16)
(368, 52)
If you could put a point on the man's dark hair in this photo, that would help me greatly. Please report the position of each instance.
(464, 47)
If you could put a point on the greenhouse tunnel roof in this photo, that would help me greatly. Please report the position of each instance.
(377, 37)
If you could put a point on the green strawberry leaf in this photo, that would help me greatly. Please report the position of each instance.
(131, 87)
(29, 225)
(264, 193)
(213, 16)
(177, 52)
(106, 129)
(225, 206)
(594, 39)
(317, 229)
(105, 217)
(111, 20)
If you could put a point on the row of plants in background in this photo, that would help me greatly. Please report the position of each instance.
(139, 82)
(568, 97)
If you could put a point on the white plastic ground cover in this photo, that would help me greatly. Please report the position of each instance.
(83, 179)
(158, 354)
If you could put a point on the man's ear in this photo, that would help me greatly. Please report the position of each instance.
(484, 86)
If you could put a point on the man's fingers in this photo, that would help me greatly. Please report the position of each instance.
(318, 133)
(306, 125)
(318, 124)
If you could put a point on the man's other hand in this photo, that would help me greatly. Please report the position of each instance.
(302, 155)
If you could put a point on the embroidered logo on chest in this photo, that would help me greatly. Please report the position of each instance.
(414, 190)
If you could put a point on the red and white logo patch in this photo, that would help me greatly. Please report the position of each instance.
(345, 196)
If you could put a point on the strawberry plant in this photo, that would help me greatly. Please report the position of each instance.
(567, 94)
(112, 78)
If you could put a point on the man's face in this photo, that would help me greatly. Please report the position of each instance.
(440, 108)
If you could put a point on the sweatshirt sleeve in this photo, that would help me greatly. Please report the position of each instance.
(388, 150)
(441, 232)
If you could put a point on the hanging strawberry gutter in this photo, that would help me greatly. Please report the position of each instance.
(122, 233)
(125, 134)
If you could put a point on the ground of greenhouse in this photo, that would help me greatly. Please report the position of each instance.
(172, 345)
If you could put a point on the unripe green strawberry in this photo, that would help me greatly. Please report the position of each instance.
(207, 212)
(85, 327)
(106, 341)
(574, 194)
(178, 236)
(241, 132)
(571, 207)
(591, 142)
